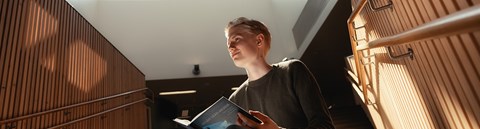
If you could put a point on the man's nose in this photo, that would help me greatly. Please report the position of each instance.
(231, 46)
(231, 49)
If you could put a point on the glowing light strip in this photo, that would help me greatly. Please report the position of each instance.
(178, 92)
(234, 88)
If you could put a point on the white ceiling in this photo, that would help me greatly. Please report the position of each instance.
(165, 38)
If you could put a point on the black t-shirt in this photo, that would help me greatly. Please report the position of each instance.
(288, 94)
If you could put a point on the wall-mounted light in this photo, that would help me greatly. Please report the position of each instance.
(196, 69)
(178, 92)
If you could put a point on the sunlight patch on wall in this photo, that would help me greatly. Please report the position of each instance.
(41, 24)
(86, 67)
(49, 62)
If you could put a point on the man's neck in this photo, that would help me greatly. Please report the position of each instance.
(257, 70)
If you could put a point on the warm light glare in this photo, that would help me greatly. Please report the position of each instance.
(42, 25)
(234, 88)
(48, 62)
(86, 67)
(178, 92)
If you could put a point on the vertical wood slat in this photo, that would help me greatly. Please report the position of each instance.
(98, 121)
(439, 88)
(42, 42)
(86, 77)
(58, 97)
(24, 65)
(3, 21)
(44, 61)
(459, 68)
(52, 86)
(35, 83)
(39, 46)
(10, 61)
(55, 69)
(418, 21)
(11, 74)
(17, 65)
(80, 71)
(29, 72)
(435, 57)
(6, 49)
(70, 71)
(90, 108)
(467, 52)
(14, 60)
(53, 56)
(77, 69)
(445, 47)
(410, 25)
(42, 86)
(21, 66)
(459, 72)
(66, 57)
(451, 77)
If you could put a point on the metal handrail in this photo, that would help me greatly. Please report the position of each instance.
(459, 22)
(397, 57)
(373, 8)
(70, 106)
(153, 95)
(97, 114)
(355, 35)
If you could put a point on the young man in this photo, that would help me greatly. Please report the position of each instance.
(284, 95)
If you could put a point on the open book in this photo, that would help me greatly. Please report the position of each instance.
(220, 115)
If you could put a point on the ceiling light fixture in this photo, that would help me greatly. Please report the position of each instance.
(178, 92)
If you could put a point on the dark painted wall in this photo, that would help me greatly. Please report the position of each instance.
(325, 56)
(209, 89)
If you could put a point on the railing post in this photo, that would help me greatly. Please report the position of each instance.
(353, 42)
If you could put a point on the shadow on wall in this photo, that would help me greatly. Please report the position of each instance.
(163, 114)
(437, 79)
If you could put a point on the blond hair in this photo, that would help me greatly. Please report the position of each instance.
(254, 26)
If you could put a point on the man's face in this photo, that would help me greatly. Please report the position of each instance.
(242, 46)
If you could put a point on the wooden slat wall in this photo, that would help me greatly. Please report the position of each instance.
(52, 57)
(440, 87)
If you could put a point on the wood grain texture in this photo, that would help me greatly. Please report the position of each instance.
(439, 88)
(52, 57)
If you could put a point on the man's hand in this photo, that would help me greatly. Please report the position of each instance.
(267, 123)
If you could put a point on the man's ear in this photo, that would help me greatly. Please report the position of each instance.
(260, 39)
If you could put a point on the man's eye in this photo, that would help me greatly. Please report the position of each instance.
(237, 39)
